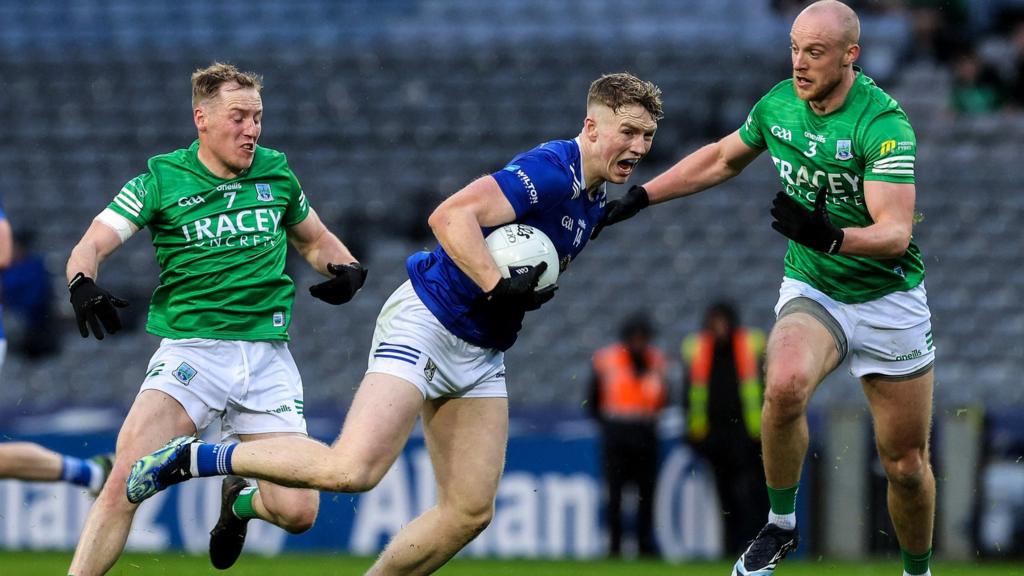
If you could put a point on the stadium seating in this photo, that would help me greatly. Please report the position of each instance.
(385, 111)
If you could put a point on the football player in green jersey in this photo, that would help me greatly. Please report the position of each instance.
(220, 212)
(853, 281)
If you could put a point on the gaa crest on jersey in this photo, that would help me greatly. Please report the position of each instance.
(844, 149)
(185, 373)
(263, 193)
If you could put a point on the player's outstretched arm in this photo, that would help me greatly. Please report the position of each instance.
(891, 206)
(95, 308)
(456, 223)
(710, 165)
(326, 253)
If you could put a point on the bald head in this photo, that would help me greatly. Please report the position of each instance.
(831, 19)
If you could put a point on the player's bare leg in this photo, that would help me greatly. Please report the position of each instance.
(466, 438)
(800, 353)
(28, 461)
(376, 428)
(293, 509)
(31, 462)
(153, 419)
(902, 412)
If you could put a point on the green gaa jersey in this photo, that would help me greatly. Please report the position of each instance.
(867, 138)
(220, 244)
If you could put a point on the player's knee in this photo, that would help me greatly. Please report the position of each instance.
(787, 393)
(906, 471)
(363, 480)
(301, 519)
(342, 476)
(296, 512)
(472, 520)
(113, 496)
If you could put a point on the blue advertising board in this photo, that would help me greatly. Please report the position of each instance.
(549, 503)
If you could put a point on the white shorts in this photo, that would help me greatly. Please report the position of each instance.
(254, 387)
(891, 336)
(411, 344)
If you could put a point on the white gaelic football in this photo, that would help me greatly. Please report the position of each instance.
(514, 246)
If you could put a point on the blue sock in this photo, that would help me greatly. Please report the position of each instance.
(76, 471)
(212, 459)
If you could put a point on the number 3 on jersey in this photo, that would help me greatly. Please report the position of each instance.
(812, 148)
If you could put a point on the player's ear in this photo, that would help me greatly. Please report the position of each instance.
(590, 128)
(851, 55)
(199, 117)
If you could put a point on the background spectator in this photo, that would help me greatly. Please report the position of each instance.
(627, 395)
(977, 88)
(722, 403)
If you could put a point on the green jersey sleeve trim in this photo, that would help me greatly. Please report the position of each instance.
(752, 132)
(298, 206)
(891, 149)
(135, 199)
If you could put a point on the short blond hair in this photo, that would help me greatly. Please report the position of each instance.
(624, 89)
(206, 82)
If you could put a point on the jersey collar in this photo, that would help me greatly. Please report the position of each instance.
(579, 182)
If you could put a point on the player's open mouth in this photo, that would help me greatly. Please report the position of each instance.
(248, 147)
(628, 164)
(802, 81)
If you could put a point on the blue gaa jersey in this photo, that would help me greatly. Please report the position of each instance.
(545, 187)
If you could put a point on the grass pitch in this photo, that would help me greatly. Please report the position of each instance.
(49, 563)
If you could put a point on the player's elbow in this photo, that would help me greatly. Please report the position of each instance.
(899, 243)
(901, 247)
(449, 218)
(438, 218)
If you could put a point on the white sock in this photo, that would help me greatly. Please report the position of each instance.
(193, 465)
(96, 476)
(928, 573)
(784, 521)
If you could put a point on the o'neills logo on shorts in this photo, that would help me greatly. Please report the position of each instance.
(915, 354)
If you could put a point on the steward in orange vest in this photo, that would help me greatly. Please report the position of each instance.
(627, 394)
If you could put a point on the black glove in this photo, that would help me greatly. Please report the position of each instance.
(94, 307)
(633, 201)
(348, 279)
(520, 291)
(813, 228)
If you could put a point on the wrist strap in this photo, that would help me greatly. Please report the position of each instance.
(76, 280)
(640, 193)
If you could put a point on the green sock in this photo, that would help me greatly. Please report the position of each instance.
(783, 501)
(243, 504)
(915, 563)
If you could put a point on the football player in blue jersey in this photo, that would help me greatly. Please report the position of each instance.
(438, 348)
(27, 460)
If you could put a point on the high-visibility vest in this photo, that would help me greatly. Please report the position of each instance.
(622, 392)
(698, 353)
